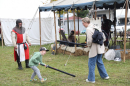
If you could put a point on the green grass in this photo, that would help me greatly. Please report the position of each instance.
(119, 72)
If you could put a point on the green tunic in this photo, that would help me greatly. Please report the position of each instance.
(36, 59)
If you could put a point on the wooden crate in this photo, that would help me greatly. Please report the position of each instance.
(127, 56)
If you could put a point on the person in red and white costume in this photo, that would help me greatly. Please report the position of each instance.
(20, 39)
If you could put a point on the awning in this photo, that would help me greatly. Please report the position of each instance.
(82, 4)
(67, 4)
(109, 4)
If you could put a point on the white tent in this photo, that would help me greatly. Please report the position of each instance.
(10, 10)
(47, 30)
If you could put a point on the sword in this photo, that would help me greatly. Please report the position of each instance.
(58, 70)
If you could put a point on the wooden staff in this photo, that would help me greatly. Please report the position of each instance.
(125, 30)
(40, 26)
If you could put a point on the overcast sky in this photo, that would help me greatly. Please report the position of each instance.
(26, 9)
(21, 8)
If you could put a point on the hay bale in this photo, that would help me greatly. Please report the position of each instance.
(78, 52)
(58, 51)
(85, 53)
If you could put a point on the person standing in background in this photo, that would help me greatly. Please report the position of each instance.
(19, 38)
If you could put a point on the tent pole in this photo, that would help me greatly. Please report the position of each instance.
(74, 27)
(68, 22)
(95, 12)
(78, 25)
(109, 13)
(40, 27)
(60, 24)
(115, 24)
(55, 32)
(125, 30)
(2, 37)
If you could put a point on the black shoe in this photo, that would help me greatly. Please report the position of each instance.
(27, 62)
(27, 66)
(20, 66)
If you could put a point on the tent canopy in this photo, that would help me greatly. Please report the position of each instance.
(81, 4)
(109, 4)
(66, 5)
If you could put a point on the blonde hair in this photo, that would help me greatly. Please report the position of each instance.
(86, 19)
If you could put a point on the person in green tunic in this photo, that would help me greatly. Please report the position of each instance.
(36, 60)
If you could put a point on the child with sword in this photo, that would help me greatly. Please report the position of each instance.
(36, 60)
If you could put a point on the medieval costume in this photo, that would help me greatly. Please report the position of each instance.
(21, 50)
(106, 26)
(71, 38)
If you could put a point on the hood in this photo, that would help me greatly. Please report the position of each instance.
(18, 21)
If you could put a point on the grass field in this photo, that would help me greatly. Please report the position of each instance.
(119, 72)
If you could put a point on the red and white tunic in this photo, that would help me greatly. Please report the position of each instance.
(22, 53)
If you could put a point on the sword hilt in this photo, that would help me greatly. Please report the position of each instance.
(44, 65)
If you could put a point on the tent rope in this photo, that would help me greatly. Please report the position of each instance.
(91, 10)
(31, 23)
(122, 9)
